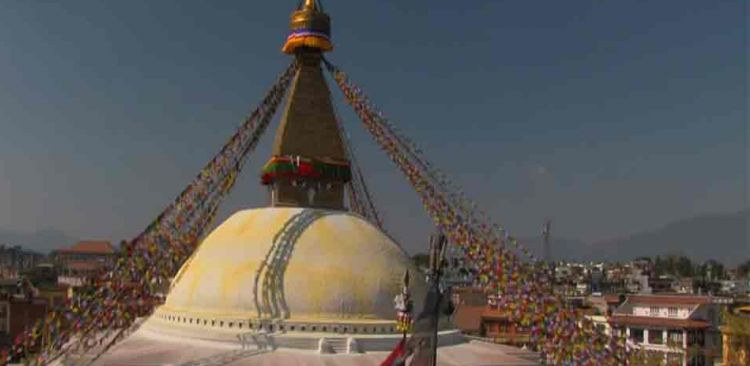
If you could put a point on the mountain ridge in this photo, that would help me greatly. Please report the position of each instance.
(720, 236)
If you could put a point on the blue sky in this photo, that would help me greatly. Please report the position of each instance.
(610, 117)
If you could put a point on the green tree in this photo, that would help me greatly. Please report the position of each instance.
(713, 270)
(684, 267)
(659, 266)
(421, 260)
(743, 270)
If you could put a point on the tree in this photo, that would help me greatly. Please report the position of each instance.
(713, 270)
(421, 260)
(684, 267)
(659, 266)
(743, 270)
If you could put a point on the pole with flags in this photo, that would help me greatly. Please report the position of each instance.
(421, 346)
(403, 305)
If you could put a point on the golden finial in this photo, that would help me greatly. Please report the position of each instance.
(310, 28)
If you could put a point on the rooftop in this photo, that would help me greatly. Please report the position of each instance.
(648, 321)
(90, 247)
(668, 300)
(468, 318)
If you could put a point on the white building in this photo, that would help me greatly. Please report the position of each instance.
(734, 287)
(684, 328)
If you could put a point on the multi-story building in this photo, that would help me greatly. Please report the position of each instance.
(83, 260)
(637, 281)
(684, 328)
(15, 259)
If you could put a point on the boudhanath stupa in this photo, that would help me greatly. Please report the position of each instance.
(304, 281)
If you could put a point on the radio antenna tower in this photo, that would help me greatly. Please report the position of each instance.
(545, 235)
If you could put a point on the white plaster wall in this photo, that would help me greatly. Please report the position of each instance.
(641, 310)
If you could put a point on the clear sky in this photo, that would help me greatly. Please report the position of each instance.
(610, 117)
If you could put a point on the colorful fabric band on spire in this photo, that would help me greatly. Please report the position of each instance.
(307, 38)
(304, 168)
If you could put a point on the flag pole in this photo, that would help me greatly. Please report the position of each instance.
(437, 252)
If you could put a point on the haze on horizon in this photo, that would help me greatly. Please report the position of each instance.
(607, 117)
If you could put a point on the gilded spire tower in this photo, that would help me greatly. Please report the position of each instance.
(309, 166)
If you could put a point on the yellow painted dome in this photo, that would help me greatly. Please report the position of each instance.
(298, 264)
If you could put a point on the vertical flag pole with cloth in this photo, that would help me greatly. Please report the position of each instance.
(421, 347)
(403, 305)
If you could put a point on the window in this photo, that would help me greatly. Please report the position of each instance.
(675, 337)
(672, 312)
(636, 335)
(654, 311)
(655, 336)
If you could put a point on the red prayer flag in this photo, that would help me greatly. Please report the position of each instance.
(396, 354)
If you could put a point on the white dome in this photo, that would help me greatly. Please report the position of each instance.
(301, 265)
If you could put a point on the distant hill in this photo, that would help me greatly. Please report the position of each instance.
(561, 248)
(724, 237)
(42, 241)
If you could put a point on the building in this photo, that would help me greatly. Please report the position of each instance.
(662, 284)
(606, 304)
(303, 281)
(14, 260)
(684, 328)
(83, 260)
(684, 286)
(16, 314)
(733, 287)
(17, 288)
(491, 324)
(637, 280)
(477, 315)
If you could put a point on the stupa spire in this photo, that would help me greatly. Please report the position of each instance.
(309, 166)
(310, 28)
